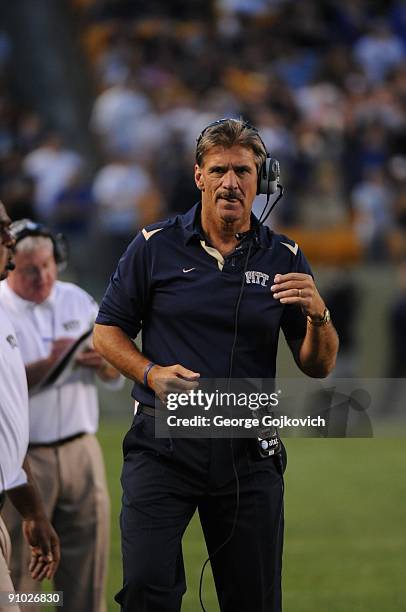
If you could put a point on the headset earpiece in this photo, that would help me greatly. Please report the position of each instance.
(61, 251)
(268, 176)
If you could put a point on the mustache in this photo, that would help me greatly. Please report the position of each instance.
(228, 195)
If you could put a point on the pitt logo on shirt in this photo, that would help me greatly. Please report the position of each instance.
(256, 278)
(71, 325)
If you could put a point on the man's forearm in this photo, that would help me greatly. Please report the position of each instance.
(317, 355)
(37, 529)
(120, 351)
(26, 498)
(36, 371)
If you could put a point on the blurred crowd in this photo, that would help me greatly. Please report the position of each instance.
(324, 82)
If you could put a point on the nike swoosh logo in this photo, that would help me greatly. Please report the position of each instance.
(294, 249)
(147, 235)
(189, 270)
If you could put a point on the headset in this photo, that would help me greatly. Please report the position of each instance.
(269, 172)
(26, 227)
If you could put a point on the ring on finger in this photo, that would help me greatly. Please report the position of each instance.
(299, 293)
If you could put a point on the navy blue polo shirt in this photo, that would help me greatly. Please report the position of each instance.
(183, 294)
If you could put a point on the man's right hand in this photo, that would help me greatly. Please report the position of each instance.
(59, 347)
(171, 379)
(37, 370)
(45, 547)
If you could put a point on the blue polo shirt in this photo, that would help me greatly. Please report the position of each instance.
(182, 294)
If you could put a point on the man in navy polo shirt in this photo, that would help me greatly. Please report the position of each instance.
(182, 282)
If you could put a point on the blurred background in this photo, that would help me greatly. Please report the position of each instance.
(101, 102)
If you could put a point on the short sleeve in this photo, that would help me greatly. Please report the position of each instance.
(127, 294)
(294, 322)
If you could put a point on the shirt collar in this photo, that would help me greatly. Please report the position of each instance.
(191, 223)
(192, 227)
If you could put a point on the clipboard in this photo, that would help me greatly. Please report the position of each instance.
(62, 369)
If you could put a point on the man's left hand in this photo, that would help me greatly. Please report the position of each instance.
(90, 359)
(297, 288)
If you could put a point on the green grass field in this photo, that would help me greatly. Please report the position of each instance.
(345, 547)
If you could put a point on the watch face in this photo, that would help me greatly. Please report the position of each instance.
(325, 319)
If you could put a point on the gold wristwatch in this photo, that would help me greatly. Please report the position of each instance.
(326, 318)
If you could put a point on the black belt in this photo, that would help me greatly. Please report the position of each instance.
(2, 499)
(56, 442)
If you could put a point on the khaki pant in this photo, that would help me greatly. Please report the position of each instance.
(72, 483)
(5, 579)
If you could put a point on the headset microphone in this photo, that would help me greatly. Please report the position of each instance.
(244, 237)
